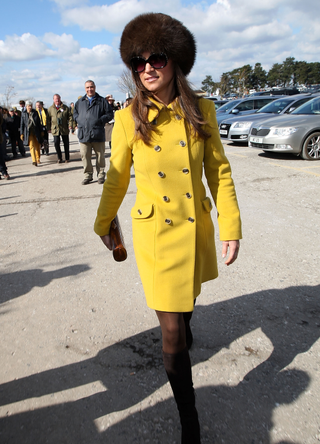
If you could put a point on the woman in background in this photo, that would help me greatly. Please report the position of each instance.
(30, 131)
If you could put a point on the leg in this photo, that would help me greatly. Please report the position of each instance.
(56, 140)
(187, 318)
(21, 146)
(13, 144)
(178, 368)
(85, 151)
(34, 149)
(99, 149)
(3, 167)
(65, 140)
(46, 142)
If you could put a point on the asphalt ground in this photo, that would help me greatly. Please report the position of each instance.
(80, 351)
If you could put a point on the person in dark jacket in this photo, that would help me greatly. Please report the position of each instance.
(30, 131)
(91, 113)
(3, 166)
(13, 126)
(43, 115)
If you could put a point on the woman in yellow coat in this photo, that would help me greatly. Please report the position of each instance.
(170, 136)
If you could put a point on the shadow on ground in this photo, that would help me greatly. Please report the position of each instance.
(131, 370)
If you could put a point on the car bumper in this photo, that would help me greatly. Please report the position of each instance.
(277, 144)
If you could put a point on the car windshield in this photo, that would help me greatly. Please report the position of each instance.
(225, 108)
(311, 107)
(276, 106)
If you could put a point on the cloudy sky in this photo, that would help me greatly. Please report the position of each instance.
(53, 46)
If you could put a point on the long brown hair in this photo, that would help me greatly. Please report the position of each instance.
(186, 98)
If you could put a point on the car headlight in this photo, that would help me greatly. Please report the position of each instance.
(283, 131)
(241, 125)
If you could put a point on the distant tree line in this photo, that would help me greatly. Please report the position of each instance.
(287, 74)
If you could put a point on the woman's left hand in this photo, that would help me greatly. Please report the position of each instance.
(233, 247)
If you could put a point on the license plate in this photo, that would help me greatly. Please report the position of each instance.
(224, 132)
(256, 139)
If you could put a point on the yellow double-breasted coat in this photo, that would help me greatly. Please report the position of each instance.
(173, 234)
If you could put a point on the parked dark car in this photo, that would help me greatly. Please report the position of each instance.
(278, 92)
(243, 106)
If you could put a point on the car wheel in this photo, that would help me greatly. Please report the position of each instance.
(311, 147)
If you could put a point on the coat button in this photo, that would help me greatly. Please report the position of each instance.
(185, 171)
(190, 219)
(168, 221)
(166, 198)
(182, 143)
(161, 174)
(178, 117)
(188, 195)
(157, 148)
(139, 211)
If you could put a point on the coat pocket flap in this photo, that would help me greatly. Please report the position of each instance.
(207, 204)
(142, 211)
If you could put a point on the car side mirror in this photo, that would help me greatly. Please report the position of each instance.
(235, 111)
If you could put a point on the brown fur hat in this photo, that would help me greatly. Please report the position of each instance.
(155, 33)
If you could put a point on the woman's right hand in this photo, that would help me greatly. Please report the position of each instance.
(107, 241)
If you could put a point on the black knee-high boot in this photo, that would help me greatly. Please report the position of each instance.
(178, 368)
(189, 336)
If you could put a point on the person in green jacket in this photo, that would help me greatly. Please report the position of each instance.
(59, 122)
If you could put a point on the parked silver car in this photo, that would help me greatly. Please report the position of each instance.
(237, 129)
(243, 106)
(296, 133)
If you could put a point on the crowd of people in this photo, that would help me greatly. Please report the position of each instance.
(31, 125)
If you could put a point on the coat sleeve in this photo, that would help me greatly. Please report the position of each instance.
(76, 112)
(118, 178)
(218, 173)
(48, 123)
(107, 112)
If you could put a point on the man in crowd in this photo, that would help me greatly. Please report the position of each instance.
(59, 121)
(13, 126)
(3, 144)
(22, 103)
(43, 115)
(92, 112)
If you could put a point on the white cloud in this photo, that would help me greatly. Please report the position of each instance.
(24, 47)
(64, 44)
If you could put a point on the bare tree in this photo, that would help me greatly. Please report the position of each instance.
(8, 95)
(126, 83)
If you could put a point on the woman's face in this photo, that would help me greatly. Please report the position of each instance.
(158, 81)
(29, 108)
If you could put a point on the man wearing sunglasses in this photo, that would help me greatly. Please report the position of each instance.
(92, 112)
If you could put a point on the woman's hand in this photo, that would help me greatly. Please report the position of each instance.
(107, 241)
(233, 246)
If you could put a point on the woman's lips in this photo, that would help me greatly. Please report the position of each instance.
(151, 79)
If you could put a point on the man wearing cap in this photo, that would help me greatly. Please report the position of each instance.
(92, 112)
(13, 125)
(59, 122)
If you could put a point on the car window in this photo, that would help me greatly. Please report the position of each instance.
(276, 106)
(296, 104)
(228, 106)
(245, 106)
(311, 107)
(259, 103)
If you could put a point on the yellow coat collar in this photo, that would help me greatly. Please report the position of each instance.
(154, 112)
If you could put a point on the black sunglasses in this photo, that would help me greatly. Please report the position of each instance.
(157, 61)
